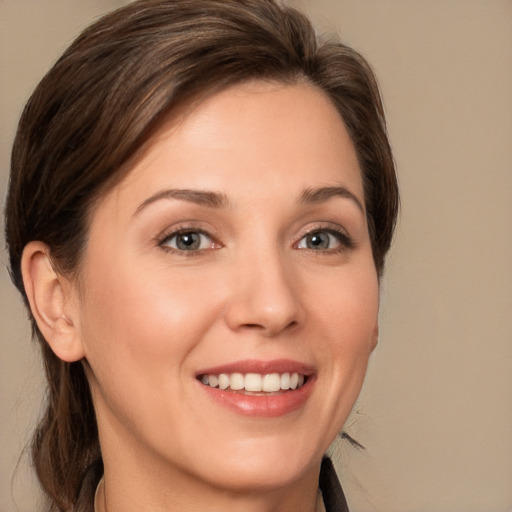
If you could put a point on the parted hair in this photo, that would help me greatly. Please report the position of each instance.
(100, 103)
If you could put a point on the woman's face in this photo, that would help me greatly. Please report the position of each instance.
(235, 254)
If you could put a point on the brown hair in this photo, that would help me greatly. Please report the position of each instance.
(98, 105)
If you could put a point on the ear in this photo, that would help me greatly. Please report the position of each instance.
(52, 302)
(375, 337)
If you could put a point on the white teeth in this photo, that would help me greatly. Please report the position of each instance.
(236, 381)
(285, 381)
(271, 382)
(254, 382)
(223, 381)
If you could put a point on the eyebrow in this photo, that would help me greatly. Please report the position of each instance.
(321, 194)
(200, 197)
(219, 200)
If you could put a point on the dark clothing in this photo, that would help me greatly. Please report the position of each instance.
(332, 493)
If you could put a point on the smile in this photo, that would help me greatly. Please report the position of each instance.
(255, 388)
(255, 382)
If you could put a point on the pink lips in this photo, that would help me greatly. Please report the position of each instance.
(255, 366)
(261, 405)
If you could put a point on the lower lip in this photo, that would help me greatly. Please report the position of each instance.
(264, 406)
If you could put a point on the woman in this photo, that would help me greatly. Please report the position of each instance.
(202, 196)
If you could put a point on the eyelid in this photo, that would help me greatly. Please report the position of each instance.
(345, 240)
(180, 229)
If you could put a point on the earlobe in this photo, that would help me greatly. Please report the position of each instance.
(51, 303)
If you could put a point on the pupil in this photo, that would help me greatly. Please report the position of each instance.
(319, 240)
(188, 241)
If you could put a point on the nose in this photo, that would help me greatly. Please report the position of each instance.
(266, 298)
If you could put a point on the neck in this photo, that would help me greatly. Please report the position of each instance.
(136, 480)
(113, 495)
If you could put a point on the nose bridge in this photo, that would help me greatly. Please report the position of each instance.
(265, 294)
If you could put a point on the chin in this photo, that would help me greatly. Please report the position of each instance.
(263, 468)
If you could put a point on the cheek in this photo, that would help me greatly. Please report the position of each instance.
(347, 302)
(346, 314)
(147, 302)
(139, 327)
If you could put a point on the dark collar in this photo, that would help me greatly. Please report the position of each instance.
(332, 493)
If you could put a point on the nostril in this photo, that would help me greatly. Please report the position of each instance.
(253, 326)
(260, 306)
(270, 329)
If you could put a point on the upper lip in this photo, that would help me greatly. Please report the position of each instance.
(259, 366)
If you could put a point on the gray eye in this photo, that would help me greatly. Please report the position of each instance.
(189, 241)
(319, 240)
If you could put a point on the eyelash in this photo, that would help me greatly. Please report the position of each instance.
(345, 241)
(183, 230)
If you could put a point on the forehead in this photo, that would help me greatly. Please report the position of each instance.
(285, 137)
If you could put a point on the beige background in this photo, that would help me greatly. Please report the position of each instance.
(436, 412)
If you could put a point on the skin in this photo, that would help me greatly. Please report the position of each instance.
(147, 317)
